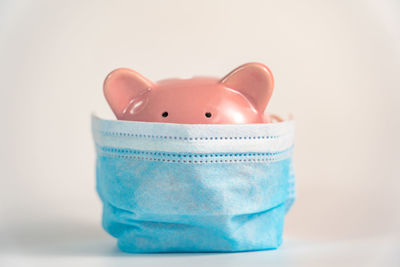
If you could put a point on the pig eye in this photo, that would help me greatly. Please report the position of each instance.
(164, 114)
(208, 114)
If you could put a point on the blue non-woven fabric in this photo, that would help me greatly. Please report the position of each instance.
(194, 188)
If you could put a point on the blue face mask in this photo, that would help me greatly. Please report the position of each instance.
(194, 188)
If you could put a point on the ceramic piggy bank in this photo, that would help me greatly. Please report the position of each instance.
(240, 97)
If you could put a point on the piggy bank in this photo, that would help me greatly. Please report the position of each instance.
(240, 97)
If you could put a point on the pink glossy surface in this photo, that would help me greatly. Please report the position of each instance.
(240, 97)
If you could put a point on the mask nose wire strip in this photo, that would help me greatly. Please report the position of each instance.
(273, 137)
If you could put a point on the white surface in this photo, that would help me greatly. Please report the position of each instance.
(336, 67)
(66, 244)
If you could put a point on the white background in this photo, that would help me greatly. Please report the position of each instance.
(336, 67)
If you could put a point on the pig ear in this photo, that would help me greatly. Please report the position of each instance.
(126, 91)
(254, 81)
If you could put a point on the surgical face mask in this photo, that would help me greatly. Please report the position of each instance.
(194, 187)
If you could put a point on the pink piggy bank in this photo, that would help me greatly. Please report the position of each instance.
(240, 97)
